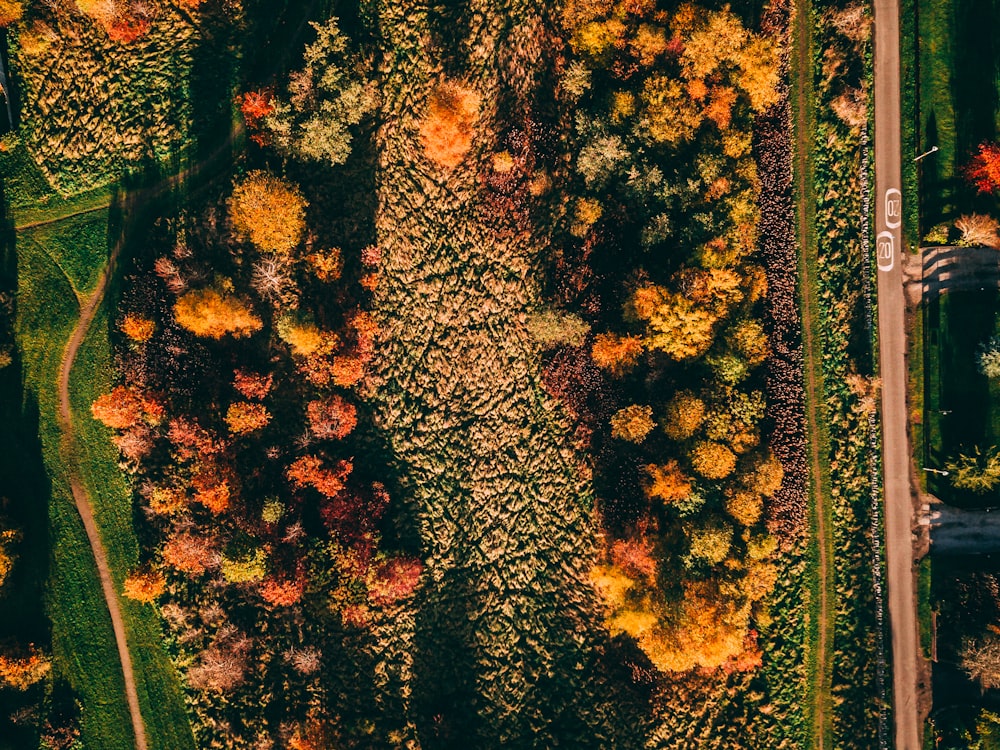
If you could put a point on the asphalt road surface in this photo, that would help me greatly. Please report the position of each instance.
(892, 346)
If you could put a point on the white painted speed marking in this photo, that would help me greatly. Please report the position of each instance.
(893, 208)
(885, 248)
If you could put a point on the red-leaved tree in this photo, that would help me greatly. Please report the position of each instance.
(984, 169)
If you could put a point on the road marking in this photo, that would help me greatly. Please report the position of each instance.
(893, 208)
(885, 247)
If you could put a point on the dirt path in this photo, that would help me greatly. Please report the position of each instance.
(801, 60)
(62, 217)
(82, 499)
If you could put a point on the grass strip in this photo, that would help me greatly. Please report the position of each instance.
(83, 642)
(82, 639)
(821, 519)
(160, 693)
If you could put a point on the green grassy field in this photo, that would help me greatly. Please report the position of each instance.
(958, 58)
(961, 406)
(925, 606)
(73, 245)
(159, 686)
(909, 136)
(82, 639)
(52, 261)
(33, 200)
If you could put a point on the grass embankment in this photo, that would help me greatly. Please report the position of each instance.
(821, 521)
(909, 138)
(830, 116)
(962, 404)
(83, 643)
(959, 103)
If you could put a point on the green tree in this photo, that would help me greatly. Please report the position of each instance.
(989, 358)
(325, 100)
(977, 472)
(980, 659)
(710, 543)
(552, 328)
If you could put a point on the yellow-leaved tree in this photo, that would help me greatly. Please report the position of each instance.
(268, 211)
(214, 314)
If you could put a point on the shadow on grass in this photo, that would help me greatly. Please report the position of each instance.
(936, 193)
(24, 501)
(974, 83)
(963, 409)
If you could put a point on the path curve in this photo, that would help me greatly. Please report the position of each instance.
(82, 499)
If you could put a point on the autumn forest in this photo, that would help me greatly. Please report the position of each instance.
(426, 375)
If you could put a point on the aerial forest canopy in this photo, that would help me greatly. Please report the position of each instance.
(439, 377)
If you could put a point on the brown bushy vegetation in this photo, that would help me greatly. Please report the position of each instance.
(259, 393)
(104, 86)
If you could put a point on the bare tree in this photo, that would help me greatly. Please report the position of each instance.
(981, 660)
(273, 281)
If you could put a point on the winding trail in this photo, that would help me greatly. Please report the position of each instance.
(801, 61)
(82, 499)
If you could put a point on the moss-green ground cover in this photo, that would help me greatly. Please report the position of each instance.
(83, 643)
(958, 56)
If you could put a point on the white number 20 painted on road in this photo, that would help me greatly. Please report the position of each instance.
(893, 208)
(885, 248)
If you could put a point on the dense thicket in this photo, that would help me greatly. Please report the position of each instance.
(665, 212)
(615, 228)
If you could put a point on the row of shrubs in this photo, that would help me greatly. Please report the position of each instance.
(842, 65)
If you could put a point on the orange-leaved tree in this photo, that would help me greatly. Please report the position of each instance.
(10, 12)
(633, 423)
(244, 417)
(685, 414)
(331, 418)
(447, 127)
(213, 314)
(268, 211)
(616, 354)
(308, 471)
(983, 171)
(8, 537)
(125, 407)
(21, 672)
(138, 328)
(668, 482)
(144, 586)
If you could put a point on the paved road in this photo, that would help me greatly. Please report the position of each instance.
(892, 347)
